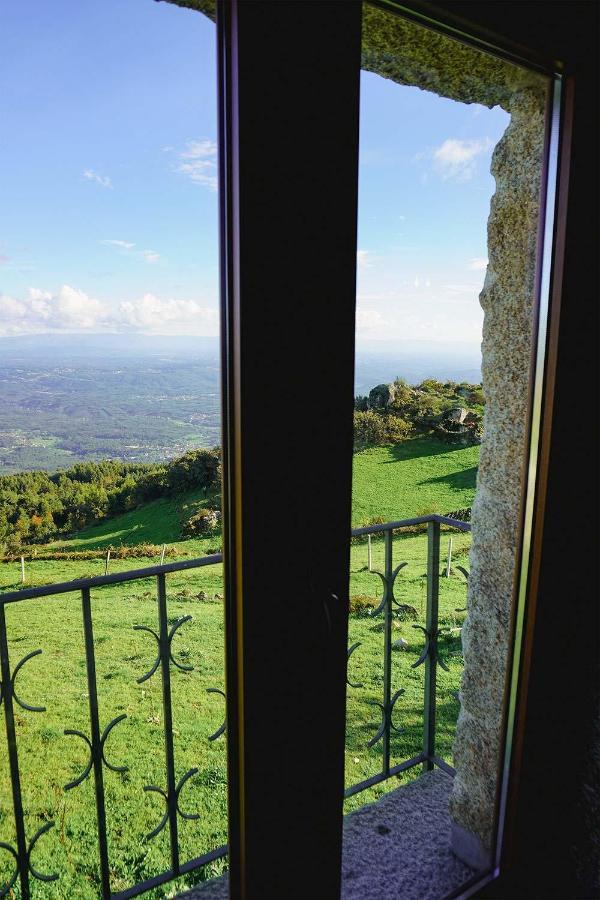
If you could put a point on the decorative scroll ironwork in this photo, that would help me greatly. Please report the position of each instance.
(100, 750)
(16, 697)
(351, 650)
(430, 650)
(222, 728)
(168, 804)
(170, 637)
(8, 694)
(7, 888)
(386, 718)
(96, 740)
(388, 600)
(164, 659)
(388, 579)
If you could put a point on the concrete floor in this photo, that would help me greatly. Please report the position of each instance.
(397, 848)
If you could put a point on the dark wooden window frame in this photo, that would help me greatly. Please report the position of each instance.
(288, 76)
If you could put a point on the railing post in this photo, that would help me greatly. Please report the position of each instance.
(165, 660)
(387, 650)
(96, 744)
(13, 757)
(431, 626)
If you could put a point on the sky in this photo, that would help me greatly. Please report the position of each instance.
(108, 182)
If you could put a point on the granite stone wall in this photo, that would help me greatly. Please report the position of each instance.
(407, 54)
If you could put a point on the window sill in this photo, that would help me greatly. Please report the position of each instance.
(397, 847)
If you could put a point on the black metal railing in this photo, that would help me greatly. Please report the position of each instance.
(24, 870)
(429, 657)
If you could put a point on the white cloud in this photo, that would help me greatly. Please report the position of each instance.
(127, 249)
(67, 310)
(152, 314)
(72, 310)
(103, 180)
(198, 163)
(477, 264)
(124, 245)
(456, 159)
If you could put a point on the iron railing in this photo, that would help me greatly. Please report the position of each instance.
(97, 738)
(24, 870)
(429, 657)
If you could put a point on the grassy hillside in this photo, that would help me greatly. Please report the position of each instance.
(408, 479)
(395, 482)
(158, 522)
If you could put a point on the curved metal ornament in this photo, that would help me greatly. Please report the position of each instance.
(39, 875)
(466, 574)
(170, 636)
(90, 763)
(6, 889)
(388, 588)
(221, 730)
(151, 788)
(18, 667)
(430, 648)
(386, 718)
(352, 684)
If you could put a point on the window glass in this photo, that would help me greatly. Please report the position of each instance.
(451, 150)
(109, 449)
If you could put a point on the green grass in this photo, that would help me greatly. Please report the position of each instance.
(57, 679)
(158, 522)
(420, 475)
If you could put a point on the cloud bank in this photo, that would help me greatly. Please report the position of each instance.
(72, 310)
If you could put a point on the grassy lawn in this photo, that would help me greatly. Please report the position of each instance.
(392, 482)
(410, 479)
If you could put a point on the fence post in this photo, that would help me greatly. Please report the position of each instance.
(22, 859)
(431, 626)
(96, 747)
(22, 570)
(449, 563)
(387, 649)
(370, 557)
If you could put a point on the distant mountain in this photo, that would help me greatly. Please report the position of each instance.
(144, 398)
(376, 361)
(42, 348)
(380, 362)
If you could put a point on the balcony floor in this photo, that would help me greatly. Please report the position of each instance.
(397, 847)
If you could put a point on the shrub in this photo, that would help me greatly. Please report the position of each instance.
(362, 605)
(375, 429)
(205, 521)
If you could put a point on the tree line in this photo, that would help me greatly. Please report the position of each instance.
(36, 507)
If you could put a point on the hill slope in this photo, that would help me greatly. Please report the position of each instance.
(408, 479)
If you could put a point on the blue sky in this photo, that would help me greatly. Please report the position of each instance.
(108, 213)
